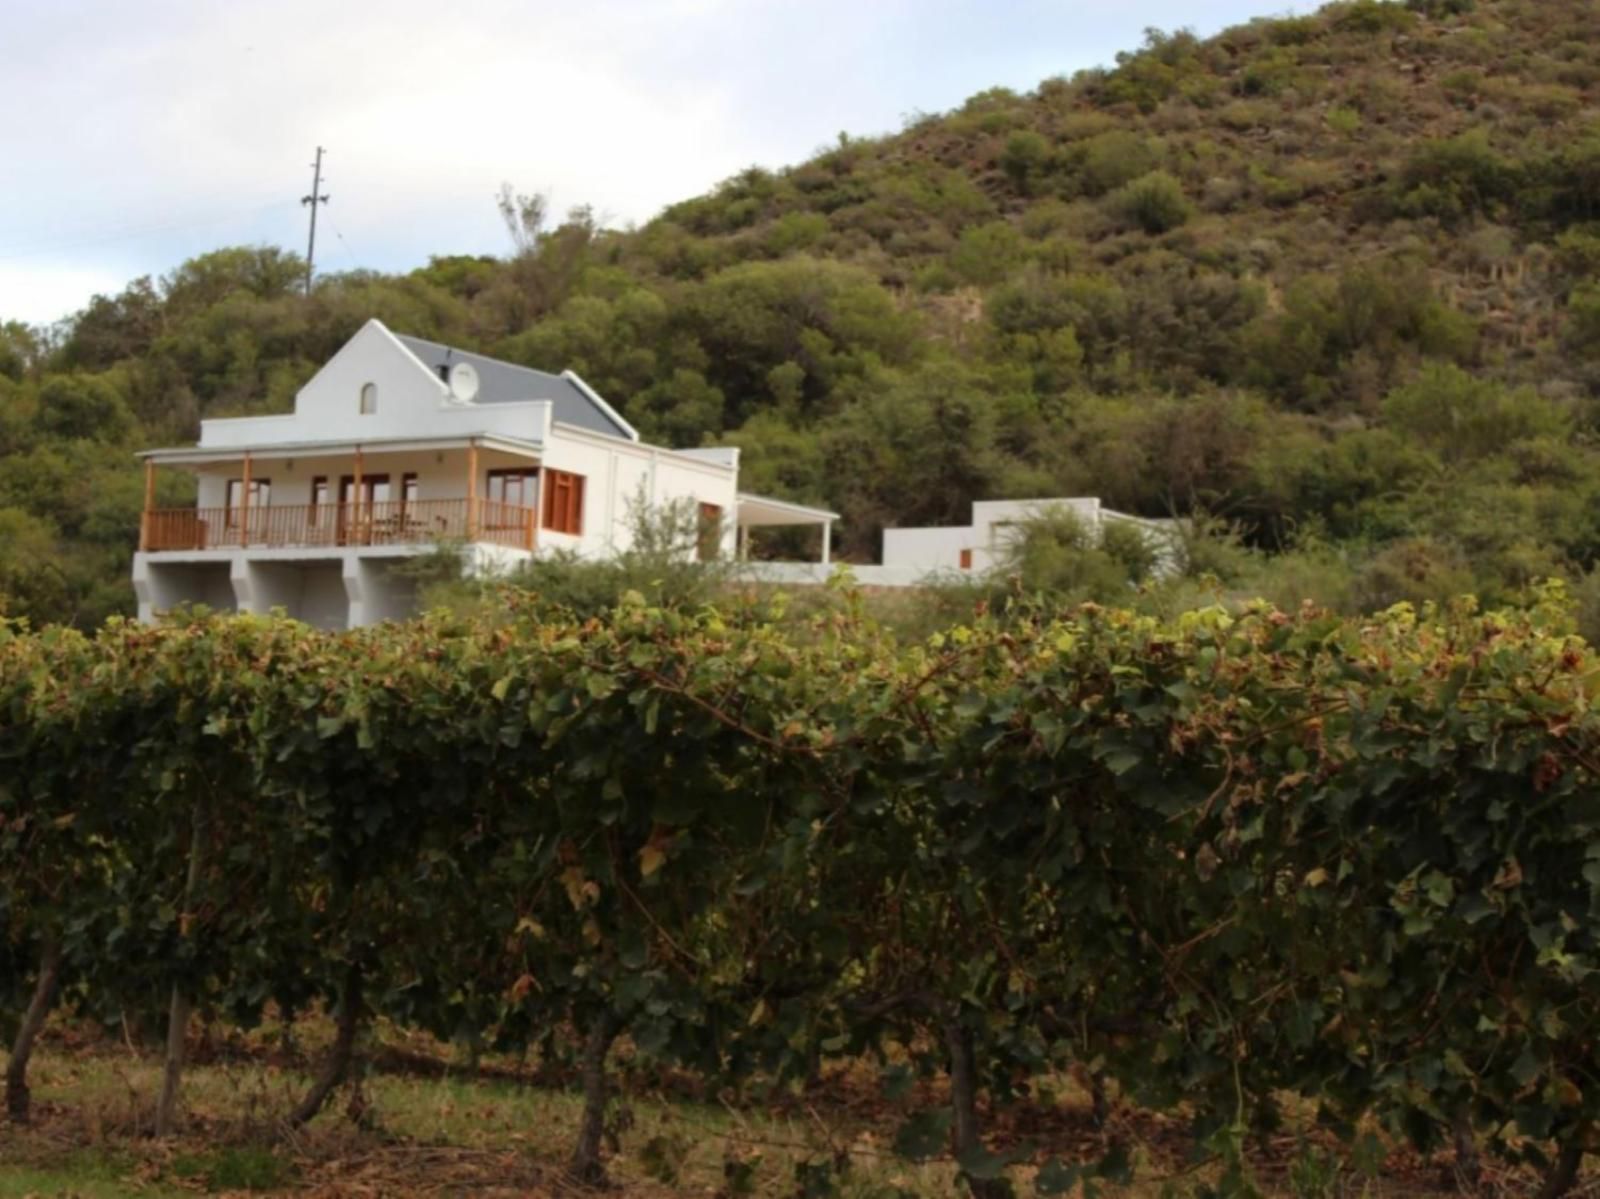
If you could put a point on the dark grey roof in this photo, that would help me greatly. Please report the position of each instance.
(505, 382)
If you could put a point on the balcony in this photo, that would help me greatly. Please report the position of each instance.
(303, 526)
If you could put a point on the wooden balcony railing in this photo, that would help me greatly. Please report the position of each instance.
(292, 526)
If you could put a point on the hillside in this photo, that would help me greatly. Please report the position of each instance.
(1329, 278)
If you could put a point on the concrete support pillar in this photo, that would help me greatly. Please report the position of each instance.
(243, 581)
(355, 591)
(827, 542)
(375, 593)
(145, 589)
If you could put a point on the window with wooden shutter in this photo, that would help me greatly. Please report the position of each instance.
(563, 502)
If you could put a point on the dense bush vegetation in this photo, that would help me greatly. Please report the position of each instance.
(1256, 276)
(1215, 862)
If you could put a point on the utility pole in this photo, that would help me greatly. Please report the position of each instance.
(316, 197)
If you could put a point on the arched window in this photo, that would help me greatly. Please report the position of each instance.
(369, 398)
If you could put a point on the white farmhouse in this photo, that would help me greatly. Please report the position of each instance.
(986, 543)
(944, 553)
(397, 444)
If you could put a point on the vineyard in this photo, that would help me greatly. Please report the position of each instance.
(1216, 866)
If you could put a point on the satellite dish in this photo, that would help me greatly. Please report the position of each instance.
(463, 381)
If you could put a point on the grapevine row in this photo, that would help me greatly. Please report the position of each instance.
(1209, 863)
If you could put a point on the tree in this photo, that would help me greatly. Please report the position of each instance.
(83, 406)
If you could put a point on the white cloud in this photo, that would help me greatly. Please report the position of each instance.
(40, 294)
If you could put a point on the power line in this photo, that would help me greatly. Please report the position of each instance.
(131, 232)
(343, 244)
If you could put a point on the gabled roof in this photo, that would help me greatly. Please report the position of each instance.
(505, 382)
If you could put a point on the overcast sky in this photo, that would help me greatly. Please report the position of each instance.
(137, 135)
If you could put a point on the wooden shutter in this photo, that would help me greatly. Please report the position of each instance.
(563, 502)
(709, 535)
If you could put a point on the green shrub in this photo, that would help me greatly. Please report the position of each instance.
(1344, 121)
(795, 231)
(235, 1169)
(1024, 159)
(1057, 553)
(1416, 570)
(1155, 203)
(1462, 85)
(1290, 31)
(1268, 74)
(1211, 548)
(1462, 417)
(1136, 549)
(1583, 320)
(986, 254)
(1456, 178)
(1114, 158)
(663, 563)
(1372, 16)
(1549, 101)
(1578, 252)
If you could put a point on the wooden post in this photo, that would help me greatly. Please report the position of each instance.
(472, 491)
(244, 502)
(355, 502)
(149, 502)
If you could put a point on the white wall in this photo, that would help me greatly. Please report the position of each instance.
(988, 537)
(817, 573)
(996, 522)
(927, 548)
(617, 473)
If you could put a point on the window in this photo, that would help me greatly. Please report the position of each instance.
(260, 497)
(408, 490)
(357, 522)
(708, 540)
(518, 486)
(369, 398)
(374, 490)
(319, 498)
(563, 502)
(966, 559)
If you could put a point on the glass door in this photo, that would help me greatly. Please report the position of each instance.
(356, 518)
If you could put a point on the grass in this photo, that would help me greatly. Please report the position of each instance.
(419, 1123)
(81, 1174)
(415, 1124)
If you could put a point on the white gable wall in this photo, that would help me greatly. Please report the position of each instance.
(412, 402)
